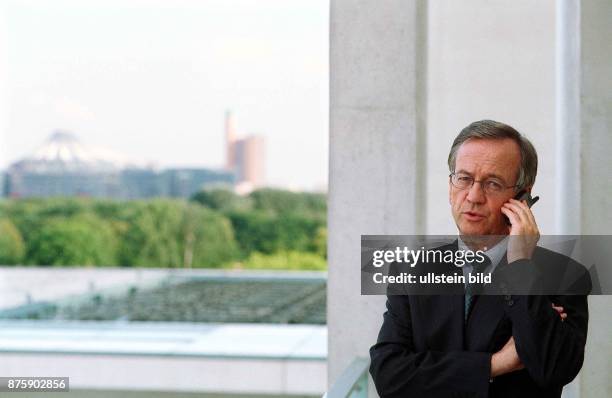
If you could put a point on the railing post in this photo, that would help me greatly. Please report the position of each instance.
(353, 382)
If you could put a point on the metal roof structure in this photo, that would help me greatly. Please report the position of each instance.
(117, 356)
(63, 152)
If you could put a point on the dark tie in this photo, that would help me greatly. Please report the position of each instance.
(473, 289)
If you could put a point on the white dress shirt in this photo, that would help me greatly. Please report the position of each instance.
(495, 254)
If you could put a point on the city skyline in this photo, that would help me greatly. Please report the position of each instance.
(157, 85)
(64, 166)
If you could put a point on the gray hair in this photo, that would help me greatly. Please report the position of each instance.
(490, 129)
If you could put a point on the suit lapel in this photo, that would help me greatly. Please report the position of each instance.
(484, 319)
(443, 318)
(483, 322)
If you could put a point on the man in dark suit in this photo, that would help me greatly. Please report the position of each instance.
(468, 345)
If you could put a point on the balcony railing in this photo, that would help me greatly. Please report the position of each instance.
(353, 382)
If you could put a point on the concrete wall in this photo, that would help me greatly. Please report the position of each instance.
(489, 60)
(595, 99)
(596, 116)
(375, 155)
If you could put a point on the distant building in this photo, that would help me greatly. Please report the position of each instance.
(63, 166)
(182, 183)
(245, 157)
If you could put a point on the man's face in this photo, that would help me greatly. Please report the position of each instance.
(476, 212)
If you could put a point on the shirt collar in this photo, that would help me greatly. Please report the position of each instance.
(495, 253)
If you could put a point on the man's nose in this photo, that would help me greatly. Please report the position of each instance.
(476, 193)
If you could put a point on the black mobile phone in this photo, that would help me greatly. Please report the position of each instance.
(523, 195)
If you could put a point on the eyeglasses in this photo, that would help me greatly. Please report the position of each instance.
(492, 186)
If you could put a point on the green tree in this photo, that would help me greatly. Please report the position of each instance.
(320, 242)
(80, 240)
(12, 248)
(295, 232)
(175, 233)
(208, 238)
(268, 233)
(282, 202)
(216, 227)
(25, 215)
(288, 260)
(255, 231)
(222, 200)
(64, 207)
(152, 235)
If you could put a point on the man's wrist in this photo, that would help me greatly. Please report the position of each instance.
(495, 365)
(503, 362)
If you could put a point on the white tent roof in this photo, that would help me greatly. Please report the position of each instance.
(63, 152)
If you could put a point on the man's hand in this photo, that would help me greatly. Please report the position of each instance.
(561, 312)
(506, 360)
(524, 232)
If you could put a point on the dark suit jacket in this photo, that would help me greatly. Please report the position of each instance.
(425, 349)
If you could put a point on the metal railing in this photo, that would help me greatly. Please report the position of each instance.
(353, 382)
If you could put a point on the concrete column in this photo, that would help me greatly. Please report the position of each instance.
(596, 116)
(567, 116)
(375, 175)
(595, 179)
(490, 60)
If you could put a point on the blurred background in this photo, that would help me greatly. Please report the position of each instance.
(163, 179)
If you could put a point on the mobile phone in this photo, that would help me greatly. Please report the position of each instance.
(523, 195)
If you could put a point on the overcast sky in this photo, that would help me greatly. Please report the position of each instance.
(152, 79)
